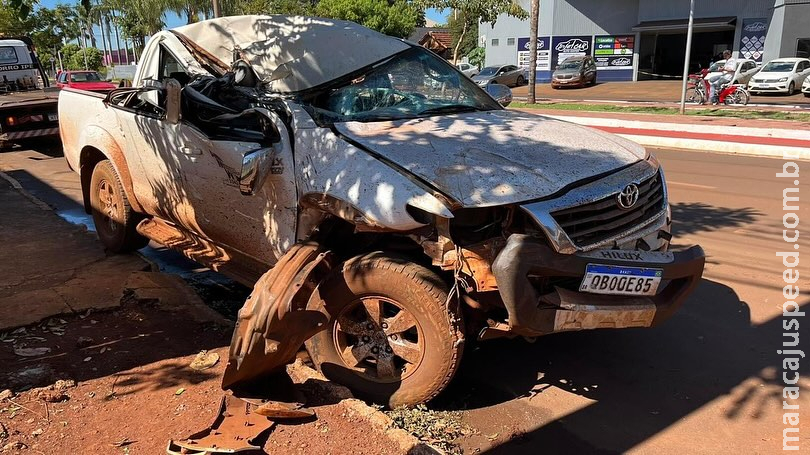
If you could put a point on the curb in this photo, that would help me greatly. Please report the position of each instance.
(407, 442)
(759, 142)
(18, 186)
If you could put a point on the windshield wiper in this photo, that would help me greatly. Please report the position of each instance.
(450, 108)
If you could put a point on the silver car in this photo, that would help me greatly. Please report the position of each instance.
(509, 75)
(467, 69)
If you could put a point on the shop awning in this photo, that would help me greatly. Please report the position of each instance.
(679, 25)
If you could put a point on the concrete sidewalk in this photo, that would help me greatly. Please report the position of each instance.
(50, 267)
(772, 138)
(661, 92)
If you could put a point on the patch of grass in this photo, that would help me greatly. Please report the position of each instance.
(438, 428)
(718, 112)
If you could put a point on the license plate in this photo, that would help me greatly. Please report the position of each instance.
(617, 280)
(52, 117)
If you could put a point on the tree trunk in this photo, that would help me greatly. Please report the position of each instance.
(535, 17)
(458, 44)
(117, 40)
(104, 54)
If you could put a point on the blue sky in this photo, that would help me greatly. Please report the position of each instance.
(172, 20)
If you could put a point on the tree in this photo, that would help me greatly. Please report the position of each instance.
(76, 61)
(464, 31)
(395, 18)
(535, 17)
(475, 12)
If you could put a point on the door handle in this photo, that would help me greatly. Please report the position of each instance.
(190, 151)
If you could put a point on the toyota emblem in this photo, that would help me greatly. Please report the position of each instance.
(628, 197)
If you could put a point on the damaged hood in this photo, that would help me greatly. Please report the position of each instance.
(294, 52)
(496, 157)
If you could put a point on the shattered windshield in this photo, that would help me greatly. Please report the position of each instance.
(413, 83)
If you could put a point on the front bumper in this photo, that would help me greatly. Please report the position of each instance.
(768, 87)
(533, 314)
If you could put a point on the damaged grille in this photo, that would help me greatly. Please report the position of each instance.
(600, 220)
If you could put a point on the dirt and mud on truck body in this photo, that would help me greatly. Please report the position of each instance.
(27, 104)
(405, 211)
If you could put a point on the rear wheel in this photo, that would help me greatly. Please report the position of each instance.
(520, 81)
(113, 216)
(391, 336)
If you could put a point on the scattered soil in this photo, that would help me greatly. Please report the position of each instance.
(134, 389)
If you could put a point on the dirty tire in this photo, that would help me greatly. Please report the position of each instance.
(420, 293)
(113, 216)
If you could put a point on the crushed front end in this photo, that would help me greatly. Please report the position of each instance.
(593, 256)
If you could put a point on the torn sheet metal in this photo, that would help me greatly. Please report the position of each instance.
(298, 52)
(274, 322)
(237, 428)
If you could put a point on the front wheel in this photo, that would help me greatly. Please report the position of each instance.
(791, 88)
(694, 96)
(391, 337)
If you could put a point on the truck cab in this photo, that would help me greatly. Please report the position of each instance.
(27, 105)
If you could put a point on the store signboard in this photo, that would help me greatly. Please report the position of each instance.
(563, 47)
(752, 38)
(613, 52)
(543, 53)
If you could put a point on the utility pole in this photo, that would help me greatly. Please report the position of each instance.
(688, 54)
(216, 8)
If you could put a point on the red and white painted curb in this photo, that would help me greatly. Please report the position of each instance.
(716, 138)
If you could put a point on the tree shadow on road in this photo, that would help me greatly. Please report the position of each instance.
(642, 380)
(695, 217)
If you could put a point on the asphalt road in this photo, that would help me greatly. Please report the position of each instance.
(707, 381)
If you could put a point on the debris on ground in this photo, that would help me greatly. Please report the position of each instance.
(6, 394)
(31, 352)
(55, 392)
(438, 428)
(83, 342)
(204, 360)
(15, 445)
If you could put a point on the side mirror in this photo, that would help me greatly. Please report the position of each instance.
(258, 165)
(501, 93)
(173, 89)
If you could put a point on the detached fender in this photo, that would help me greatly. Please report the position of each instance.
(274, 322)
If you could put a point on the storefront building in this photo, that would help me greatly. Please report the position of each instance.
(646, 39)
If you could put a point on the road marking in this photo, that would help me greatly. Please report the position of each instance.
(691, 185)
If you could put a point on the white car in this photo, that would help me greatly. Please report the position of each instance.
(746, 68)
(467, 69)
(806, 87)
(783, 75)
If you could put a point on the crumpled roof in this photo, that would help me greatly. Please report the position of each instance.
(312, 50)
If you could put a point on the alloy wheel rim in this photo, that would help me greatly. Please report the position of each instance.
(109, 205)
(379, 339)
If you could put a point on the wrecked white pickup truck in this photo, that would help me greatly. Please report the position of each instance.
(384, 192)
